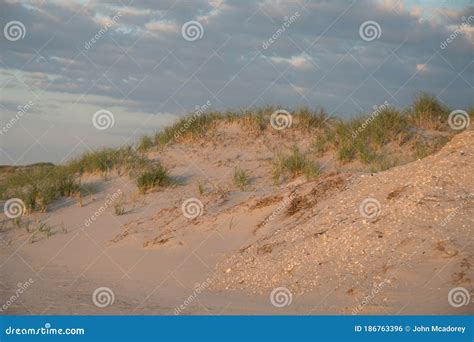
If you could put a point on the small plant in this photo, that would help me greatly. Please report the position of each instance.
(119, 207)
(79, 199)
(241, 180)
(153, 176)
(44, 228)
(201, 188)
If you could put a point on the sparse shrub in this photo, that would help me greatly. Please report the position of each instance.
(241, 180)
(152, 177)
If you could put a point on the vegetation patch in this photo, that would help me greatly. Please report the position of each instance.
(294, 164)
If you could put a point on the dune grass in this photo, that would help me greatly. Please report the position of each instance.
(240, 178)
(40, 185)
(108, 159)
(428, 112)
(153, 177)
(369, 139)
(294, 164)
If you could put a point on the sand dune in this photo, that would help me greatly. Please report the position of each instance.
(392, 242)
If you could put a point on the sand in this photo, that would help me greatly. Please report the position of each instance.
(307, 239)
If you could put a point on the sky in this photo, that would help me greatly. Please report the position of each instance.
(79, 75)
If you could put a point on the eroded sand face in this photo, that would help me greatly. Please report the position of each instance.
(309, 238)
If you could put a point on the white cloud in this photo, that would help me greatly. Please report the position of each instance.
(300, 62)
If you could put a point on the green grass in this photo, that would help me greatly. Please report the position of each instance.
(294, 164)
(108, 159)
(152, 177)
(145, 143)
(39, 187)
(371, 139)
(241, 180)
(323, 141)
(346, 153)
(193, 126)
(119, 208)
(428, 112)
(309, 119)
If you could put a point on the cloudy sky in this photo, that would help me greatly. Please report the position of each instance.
(148, 62)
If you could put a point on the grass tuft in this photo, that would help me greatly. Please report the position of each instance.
(428, 112)
(294, 164)
(241, 180)
(153, 177)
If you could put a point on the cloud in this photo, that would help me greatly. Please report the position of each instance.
(300, 62)
(142, 64)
